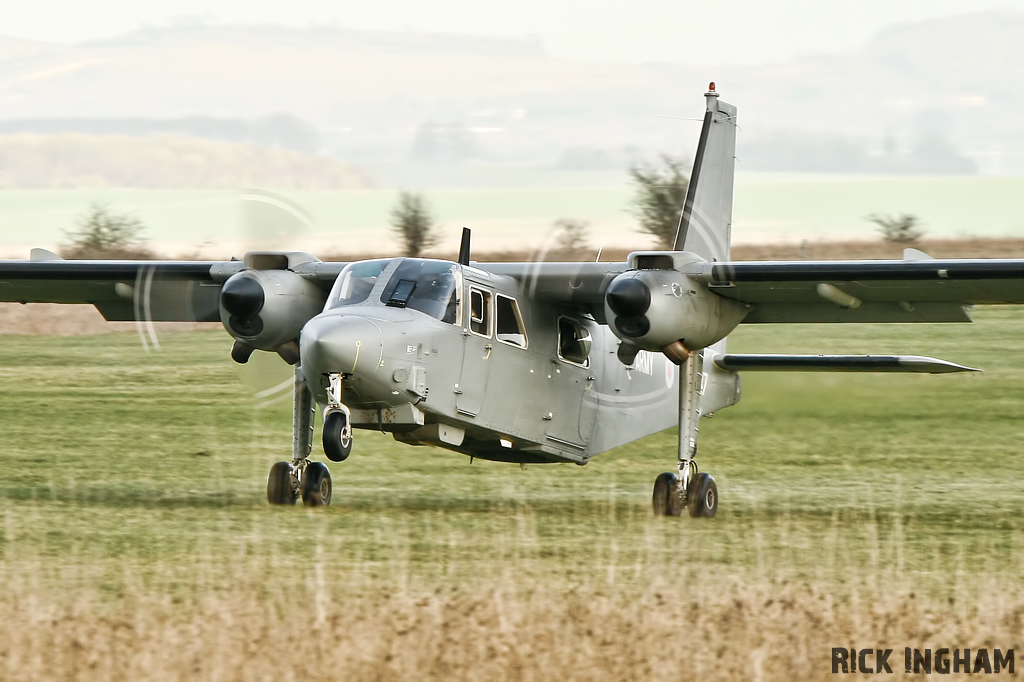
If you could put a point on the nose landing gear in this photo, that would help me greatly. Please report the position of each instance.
(337, 435)
(337, 422)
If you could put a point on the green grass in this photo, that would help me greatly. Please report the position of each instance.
(856, 510)
(112, 457)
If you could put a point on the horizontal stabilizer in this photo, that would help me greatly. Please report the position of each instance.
(836, 363)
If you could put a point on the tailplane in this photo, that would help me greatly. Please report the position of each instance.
(705, 225)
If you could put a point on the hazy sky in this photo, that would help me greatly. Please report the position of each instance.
(690, 31)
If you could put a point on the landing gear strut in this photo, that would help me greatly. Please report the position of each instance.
(696, 492)
(300, 478)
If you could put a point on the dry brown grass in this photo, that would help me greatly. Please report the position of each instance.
(768, 631)
(54, 319)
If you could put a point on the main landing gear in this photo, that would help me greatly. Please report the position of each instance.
(696, 492)
(309, 480)
(302, 478)
(699, 496)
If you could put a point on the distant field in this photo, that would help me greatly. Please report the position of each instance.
(857, 510)
(514, 208)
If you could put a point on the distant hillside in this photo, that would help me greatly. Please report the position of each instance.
(334, 37)
(275, 130)
(953, 81)
(957, 77)
(74, 160)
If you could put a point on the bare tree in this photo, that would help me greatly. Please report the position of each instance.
(571, 239)
(661, 193)
(413, 225)
(104, 233)
(900, 230)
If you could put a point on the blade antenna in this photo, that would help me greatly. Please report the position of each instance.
(464, 248)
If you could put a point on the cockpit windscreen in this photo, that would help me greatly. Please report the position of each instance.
(429, 286)
(355, 282)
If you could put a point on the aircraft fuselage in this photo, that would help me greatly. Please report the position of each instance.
(483, 372)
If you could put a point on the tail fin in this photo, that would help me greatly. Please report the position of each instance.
(705, 226)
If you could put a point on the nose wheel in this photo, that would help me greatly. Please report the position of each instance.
(337, 435)
(337, 421)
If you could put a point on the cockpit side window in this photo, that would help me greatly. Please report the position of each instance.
(428, 286)
(355, 282)
(574, 342)
(510, 327)
(480, 312)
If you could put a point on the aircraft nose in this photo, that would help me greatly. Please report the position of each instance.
(341, 343)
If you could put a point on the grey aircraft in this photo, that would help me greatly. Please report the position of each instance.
(528, 362)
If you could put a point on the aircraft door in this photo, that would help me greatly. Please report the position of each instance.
(477, 333)
(572, 381)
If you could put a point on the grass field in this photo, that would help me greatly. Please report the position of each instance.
(515, 208)
(856, 510)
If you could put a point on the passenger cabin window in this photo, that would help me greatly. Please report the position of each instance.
(510, 327)
(573, 342)
(480, 312)
(355, 283)
(428, 286)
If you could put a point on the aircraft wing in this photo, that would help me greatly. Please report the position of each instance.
(806, 291)
(157, 291)
(864, 291)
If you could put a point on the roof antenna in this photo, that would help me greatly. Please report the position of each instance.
(464, 248)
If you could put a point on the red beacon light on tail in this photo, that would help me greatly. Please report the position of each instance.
(711, 86)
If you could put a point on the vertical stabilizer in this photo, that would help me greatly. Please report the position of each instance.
(705, 226)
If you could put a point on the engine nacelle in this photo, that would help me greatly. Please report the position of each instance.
(267, 309)
(651, 309)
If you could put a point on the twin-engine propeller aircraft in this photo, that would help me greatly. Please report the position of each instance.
(528, 362)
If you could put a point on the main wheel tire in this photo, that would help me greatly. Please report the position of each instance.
(335, 446)
(279, 484)
(666, 501)
(316, 485)
(702, 496)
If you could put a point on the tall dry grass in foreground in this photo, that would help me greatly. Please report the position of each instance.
(765, 631)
